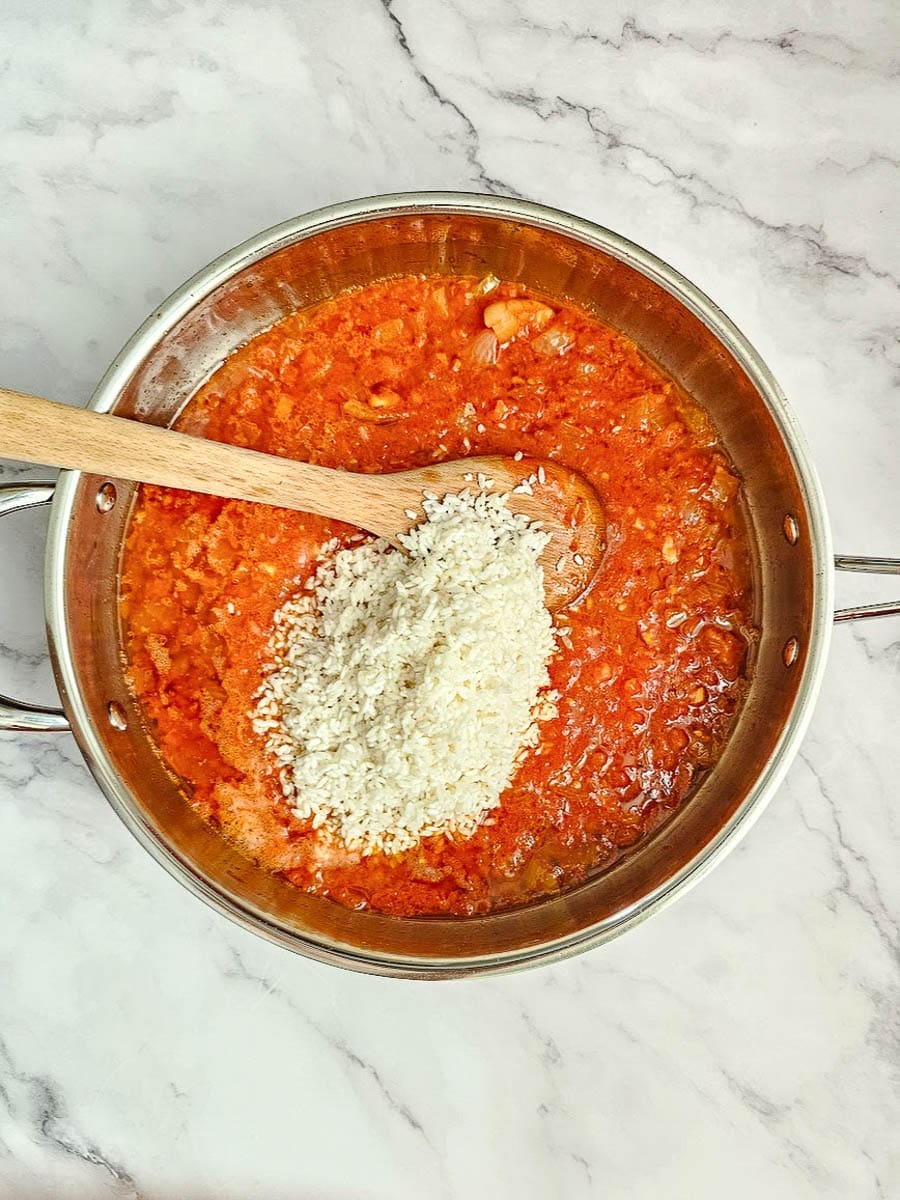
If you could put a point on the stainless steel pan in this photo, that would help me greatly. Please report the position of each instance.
(307, 260)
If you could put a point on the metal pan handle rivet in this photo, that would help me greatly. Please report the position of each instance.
(790, 652)
(106, 498)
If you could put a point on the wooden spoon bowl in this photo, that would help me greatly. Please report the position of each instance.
(563, 501)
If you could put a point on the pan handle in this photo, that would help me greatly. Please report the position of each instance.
(16, 714)
(20, 716)
(869, 566)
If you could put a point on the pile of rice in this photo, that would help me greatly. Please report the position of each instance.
(405, 689)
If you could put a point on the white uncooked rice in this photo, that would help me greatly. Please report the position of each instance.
(405, 689)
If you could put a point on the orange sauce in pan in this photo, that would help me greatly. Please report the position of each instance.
(650, 671)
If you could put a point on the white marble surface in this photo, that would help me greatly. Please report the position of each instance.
(747, 1041)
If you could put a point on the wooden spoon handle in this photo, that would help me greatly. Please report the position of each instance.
(42, 431)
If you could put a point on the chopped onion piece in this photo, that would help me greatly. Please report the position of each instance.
(486, 285)
(553, 342)
(484, 347)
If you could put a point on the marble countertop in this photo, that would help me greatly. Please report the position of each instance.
(746, 1041)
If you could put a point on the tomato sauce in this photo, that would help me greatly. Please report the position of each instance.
(650, 665)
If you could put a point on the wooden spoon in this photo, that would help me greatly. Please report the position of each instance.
(41, 431)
